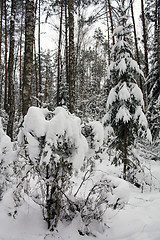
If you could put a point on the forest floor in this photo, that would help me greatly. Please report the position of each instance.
(139, 219)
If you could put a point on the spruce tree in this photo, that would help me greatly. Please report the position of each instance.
(125, 119)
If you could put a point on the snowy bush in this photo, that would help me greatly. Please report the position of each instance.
(101, 193)
(53, 148)
(6, 159)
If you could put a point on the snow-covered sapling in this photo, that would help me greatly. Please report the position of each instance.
(124, 120)
(55, 148)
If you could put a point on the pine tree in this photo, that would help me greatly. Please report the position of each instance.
(125, 118)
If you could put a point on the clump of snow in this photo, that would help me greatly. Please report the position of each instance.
(111, 97)
(118, 30)
(120, 193)
(141, 117)
(124, 93)
(34, 121)
(122, 66)
(63, 130)
(6, 147)
(123, 114)
(134, 66)
(137, 93)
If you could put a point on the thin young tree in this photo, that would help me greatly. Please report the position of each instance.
(71, 57)
(125, 120)
(11, 95)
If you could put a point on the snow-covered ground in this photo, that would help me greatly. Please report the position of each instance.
(139, 219)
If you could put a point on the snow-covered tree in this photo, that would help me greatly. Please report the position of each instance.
(6, 158)
(125, 119)
(54, 148)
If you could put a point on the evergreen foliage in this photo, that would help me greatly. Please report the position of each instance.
(125, 119)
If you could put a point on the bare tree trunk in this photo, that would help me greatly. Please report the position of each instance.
(35, 57)
(145, 90)
(66, 43)
(136, 42)
(108, 35)
(46, 85)
(71, 57)
(110, 14)
(36, 73)
(159, 38)
(28, 56)
(135, 34)
(125, 151)
(145, 39)
(0, 52)
(59, 56)
(20, 65)
(5, 60)
(39, 53)
(11, 96)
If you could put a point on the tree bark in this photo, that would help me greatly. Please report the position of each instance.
(28, 56)
(5, 60)
(159, 38)
(39, 53)
(66, 43)
(71, 57)
(0, 52)
(20, 65)
(135, 34)
(108, 35)
(59, 56)
(110, 14)
(11, 97)
(145, 40)
(136, 42)
(125, 152)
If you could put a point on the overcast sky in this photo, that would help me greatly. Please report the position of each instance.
(49, 38)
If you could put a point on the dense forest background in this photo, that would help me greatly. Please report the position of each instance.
(72, 112)
(75, 72)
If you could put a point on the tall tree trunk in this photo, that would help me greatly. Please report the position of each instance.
(28, 56)
(125, 151)
(11, 96)
(135, 34)
(46, 85)
(136, 42)
(39, 53)
(108, 34)
(59, 56)
(35, 57)
(36, 74)
(159, 38)
(66, 43)
(20, 65)
(110, 14)
(71, 57)
(5, 60)
(0, 52)
(145, 90)
(145, 39)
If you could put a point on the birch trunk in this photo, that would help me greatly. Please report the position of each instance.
(28, 56)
